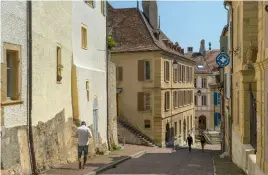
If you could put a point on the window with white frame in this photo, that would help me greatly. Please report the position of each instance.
(204, 82)
(204, 100)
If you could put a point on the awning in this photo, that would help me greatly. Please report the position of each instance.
(118, 90)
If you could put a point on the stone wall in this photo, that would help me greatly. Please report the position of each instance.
(112, 108)
(125, 136)
(54, 142)
(14, 150)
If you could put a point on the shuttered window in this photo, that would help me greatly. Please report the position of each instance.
(119, 73)
(175, 99)
(144, 101)
(167, 101)
(204, 82)
(183, 73)
(179, 73)
(11, 73)
(166, 71)
(141, 70)
(187, 74)
(144, 70)
(204, 100)
(175, 74)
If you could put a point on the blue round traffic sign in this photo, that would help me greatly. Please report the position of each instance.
(222, 59)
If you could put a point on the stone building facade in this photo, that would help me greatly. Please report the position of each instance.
(14, 142)
(161, 94)
(248, 82)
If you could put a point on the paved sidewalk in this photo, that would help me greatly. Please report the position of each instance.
(98, 162)
(224, 166)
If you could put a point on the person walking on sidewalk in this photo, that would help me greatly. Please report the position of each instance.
(83, 133)
(203, 141)
(190, 142)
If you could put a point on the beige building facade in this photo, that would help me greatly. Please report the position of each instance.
(156, 94)
(249, 82)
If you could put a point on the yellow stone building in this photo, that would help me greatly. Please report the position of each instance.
(249, 86)
(156, 97)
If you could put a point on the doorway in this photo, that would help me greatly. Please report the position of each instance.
(202, 123)
(95, 121)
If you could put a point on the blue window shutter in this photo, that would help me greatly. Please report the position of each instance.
(105, 2)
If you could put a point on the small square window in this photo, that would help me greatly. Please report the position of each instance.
(147, 124)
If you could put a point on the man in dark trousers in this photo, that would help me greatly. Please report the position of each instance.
(190, 142)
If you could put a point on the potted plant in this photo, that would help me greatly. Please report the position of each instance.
(60, 68)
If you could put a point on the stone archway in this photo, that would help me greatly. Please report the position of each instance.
(202, 122)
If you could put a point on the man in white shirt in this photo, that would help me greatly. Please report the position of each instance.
(83, 133)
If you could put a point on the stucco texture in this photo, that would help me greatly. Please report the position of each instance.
(90, 63)
(51, 27)
(14, 31)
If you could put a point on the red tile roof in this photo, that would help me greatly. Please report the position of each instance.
(133, 33)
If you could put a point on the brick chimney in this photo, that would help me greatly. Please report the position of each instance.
(150, 11)
(182, 51)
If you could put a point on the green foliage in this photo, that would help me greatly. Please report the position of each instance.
(115, 147)
(77, 122)
(111, 42)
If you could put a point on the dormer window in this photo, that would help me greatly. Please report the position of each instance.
(190, 49)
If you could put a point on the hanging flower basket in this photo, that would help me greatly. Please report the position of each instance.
(59, 78)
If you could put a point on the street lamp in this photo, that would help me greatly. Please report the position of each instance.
(198, 92)
(175, 64)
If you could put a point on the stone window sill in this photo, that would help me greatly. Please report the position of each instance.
(11, 102)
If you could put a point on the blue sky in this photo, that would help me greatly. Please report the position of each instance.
(188, 22)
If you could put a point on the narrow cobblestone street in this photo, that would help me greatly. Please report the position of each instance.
(179, 162)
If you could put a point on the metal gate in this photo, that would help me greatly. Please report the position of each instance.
(253, 121)
(95, 121)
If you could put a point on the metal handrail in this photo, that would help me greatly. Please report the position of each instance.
(122, 118)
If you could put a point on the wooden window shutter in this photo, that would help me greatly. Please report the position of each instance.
(120, 73)
(4, 80)
(140, 101)
(141, 70)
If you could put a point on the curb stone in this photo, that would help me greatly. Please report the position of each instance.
(113, 164)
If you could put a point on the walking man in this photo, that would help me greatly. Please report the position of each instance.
(190, 142)
(203, 141)
(83, 133)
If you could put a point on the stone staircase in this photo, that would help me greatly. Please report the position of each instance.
(134, 131)
(215, 137)
(212, 137)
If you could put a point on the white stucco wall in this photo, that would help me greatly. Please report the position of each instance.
(91, 63)
(51, 26)
(14, 31)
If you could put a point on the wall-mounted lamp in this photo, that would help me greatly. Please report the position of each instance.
(175, 64)
(198, 92)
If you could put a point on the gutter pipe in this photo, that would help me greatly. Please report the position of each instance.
(29, 88)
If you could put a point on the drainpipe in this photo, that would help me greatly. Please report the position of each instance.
(29, 88)
(232, 49)
(107, 79)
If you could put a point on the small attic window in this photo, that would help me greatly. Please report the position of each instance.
(200, 66)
